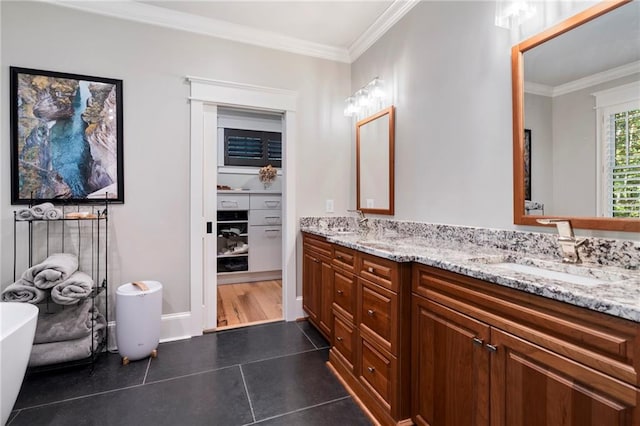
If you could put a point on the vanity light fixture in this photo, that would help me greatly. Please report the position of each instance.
(369, 97)
(511, 13)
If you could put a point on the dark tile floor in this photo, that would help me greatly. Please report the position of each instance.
(272, 374)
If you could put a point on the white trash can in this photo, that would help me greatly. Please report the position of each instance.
(138, 314)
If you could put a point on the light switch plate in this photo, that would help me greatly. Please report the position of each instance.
(329, 206)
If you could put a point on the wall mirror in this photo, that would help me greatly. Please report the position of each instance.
(576, 120)
(374, 162)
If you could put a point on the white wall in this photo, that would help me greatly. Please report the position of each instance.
(150, 232)
(449, 70)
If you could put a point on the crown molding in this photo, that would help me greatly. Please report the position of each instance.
(601, 77)
(393, 14)
(148, 14)
(538, 89)
(583, 83)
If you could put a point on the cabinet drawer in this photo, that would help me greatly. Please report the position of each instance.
(265, 217)
(233, 201)
(344, 292)
(381, 271)
(378, 307)
(344, 258)
(376, 371)
(265, 248)
(344, 339)
(317, 244)
(266, 202)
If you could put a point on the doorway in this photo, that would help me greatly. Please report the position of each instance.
(206, 97)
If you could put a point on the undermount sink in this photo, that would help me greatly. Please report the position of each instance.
(565, 272)
(376, 244)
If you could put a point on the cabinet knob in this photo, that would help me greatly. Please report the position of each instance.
(492, 348)
(340, 292)
(478, 341)
(316, 260)
(371, 369)
(339, 339)
(339, 257)
(370, 269)
(370, 312)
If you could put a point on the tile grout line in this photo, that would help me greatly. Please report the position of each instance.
(298, 410)
(17, 414)
(307, 336)
(280, 356)
(124, 388)
(246, 389)
(144, 380)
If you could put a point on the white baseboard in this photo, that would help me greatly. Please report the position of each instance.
(172, 327)
(299, 311)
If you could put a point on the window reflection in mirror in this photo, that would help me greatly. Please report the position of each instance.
(374, 163)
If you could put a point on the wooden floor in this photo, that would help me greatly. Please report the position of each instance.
(249, 303)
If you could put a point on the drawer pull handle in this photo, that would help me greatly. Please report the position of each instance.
(225, 203)
(340, 292)
(477, 341)
(272, 203)
(339, 339)
(316, 260)
(371, 270)
(492, 348)
(370, 312)
(371, 369)
(339, 257)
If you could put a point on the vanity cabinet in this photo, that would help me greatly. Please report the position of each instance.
(317, 283)
(370, 351)
(484, 354)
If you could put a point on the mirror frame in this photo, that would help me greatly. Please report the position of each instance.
(517, 79)
(391, 117)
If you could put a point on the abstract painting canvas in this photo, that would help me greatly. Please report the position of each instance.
(66, 138)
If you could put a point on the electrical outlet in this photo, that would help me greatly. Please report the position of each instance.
(329, 206)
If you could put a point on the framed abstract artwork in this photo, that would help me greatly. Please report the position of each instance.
(66, 138)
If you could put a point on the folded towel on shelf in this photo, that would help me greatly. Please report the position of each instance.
(53, 214)
(24, 214)
(51, 271)
(68, 350)
(72, 290)
(68, 324)
(23, 291)
(39, 210)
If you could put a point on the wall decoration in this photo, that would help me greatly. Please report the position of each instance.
(66, 137)
(527, 164)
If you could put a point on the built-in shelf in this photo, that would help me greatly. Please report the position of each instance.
(233, 221)
(220, 256)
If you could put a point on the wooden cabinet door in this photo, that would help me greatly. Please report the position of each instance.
(311, 276)
(531, 386)
(450, 369)
(326, 303)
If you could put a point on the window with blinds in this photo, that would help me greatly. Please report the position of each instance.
(252, 148)
(622, 163)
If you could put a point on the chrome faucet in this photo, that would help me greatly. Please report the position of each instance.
(568, 241)
(361, 218)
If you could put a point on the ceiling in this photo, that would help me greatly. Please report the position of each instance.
(339, 30)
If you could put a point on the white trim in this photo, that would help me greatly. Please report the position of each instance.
(538, 89)
(242, 170)
(172, 327)
(618, 95)
(388, 19)
(207, 93)
(299, 312)
(155, 15)
(196, 216)
(582, 83)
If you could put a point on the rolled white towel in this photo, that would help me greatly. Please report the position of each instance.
(24, 214)
(23, 291)
(53, 214)
(69, 292)
(39, 210)
(51, 271)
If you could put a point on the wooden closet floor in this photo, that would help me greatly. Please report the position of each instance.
(249, 303)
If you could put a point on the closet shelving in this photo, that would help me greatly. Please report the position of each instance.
(87, 238)
(232, 231)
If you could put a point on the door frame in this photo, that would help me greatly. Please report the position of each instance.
(206, 95)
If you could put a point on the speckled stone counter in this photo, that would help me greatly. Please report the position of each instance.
(478, 253)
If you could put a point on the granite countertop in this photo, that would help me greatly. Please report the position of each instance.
(618, 296)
